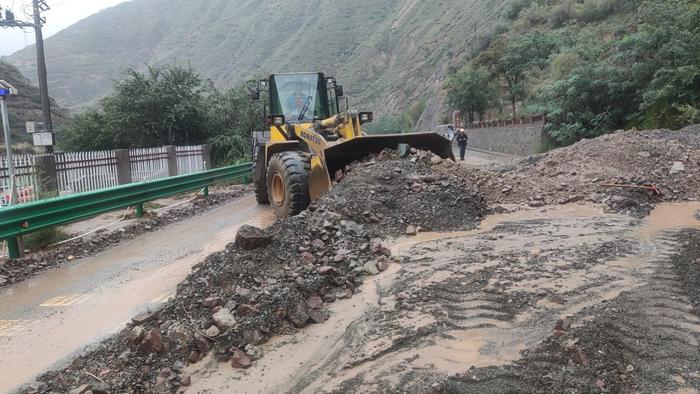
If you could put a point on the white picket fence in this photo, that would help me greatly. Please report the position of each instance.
(148, 164)
(78, 172)
(190, 159)
(26, 180)
(85, 171)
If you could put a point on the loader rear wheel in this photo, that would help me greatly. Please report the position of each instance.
(288, 183)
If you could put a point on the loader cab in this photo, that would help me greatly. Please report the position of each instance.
(301, 97)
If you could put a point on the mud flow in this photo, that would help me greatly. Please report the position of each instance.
(471, 312)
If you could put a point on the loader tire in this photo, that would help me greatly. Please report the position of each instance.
(288, 183)
(260, 178)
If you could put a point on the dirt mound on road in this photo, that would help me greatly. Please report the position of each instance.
(666, 159)
(421, 191)
(277, 281)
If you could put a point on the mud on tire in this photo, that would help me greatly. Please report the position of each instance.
(260, 177)
(288, 183)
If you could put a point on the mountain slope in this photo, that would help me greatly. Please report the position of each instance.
(387, 53)
(26, 106)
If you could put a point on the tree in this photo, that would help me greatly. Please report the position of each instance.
(512, 59)
(171, 105)
(471, 91)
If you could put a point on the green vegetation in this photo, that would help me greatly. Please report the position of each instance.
(592, 66)
(43, 238)
(171, 105)
(382, 51)
(403, 123)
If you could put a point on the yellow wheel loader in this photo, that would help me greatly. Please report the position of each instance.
(313, 134)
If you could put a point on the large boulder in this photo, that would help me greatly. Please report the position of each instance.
(249, 238)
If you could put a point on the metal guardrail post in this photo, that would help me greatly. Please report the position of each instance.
(13, 248)
(139, 210)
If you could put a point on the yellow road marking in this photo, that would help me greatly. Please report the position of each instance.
(162, 299)
(66, 300)
(9, 328)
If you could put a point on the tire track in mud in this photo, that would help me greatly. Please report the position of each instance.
(646, 340)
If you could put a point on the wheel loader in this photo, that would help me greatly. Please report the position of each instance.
(313, 134)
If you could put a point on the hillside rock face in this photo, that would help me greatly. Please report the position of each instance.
(26, 106)
(387, 53)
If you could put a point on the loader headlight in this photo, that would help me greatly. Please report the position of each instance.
(277, 120)
(366, 117)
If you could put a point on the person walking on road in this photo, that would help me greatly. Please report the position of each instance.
(462, 139)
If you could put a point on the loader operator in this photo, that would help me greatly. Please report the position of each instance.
(298, 104)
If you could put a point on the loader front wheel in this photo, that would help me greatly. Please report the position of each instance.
(288, 183)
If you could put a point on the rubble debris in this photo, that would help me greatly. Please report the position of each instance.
(668, 160)
(251, 293)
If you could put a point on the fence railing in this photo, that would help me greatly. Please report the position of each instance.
(79, 172)
(39, 176)
(26, 179)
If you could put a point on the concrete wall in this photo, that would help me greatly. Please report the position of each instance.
(520, 139)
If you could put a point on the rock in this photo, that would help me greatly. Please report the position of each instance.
(417, 187)
(326, 270)
(315, 302)
(383, 265)
(253, 351)
(240, 359)
(145, 317)
(318, 243)
(213, 301)
(578, 356)
(308, 258)
(644, 154)
(194, 356)
(299, 315)
(677, 167)
(185, 380)
(179, 335)
(435, 160)
(378, 248)
(563, 324)
(152, 342)
(630, 368)
(247, 310)
(256, 337)
(384, 155)
(600, 384)
(370, 268)
(136, 335)
(224, 319)
(249, 238)
(411, 230)
(318, 316)
(212, 331)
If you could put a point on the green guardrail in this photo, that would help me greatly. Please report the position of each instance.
(17, 220)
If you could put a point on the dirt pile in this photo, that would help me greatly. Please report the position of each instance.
(273, 282)
(601, 170)
(13, 271)
(420, 192)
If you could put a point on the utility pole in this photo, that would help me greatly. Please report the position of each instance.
(38, 7)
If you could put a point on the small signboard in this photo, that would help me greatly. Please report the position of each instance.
(43, 139)
(34, 127)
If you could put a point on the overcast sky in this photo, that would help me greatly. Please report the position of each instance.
(62, 14)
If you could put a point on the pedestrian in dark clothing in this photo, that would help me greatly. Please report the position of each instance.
(462, 139)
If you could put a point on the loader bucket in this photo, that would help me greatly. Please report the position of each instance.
(339, 155)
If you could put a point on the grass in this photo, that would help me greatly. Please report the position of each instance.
(43, 238)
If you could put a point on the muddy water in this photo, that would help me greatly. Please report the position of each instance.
(59, 312)
(458, 300)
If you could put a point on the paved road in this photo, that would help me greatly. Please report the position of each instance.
(46, 319)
